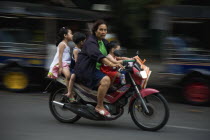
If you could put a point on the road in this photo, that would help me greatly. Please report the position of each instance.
(26, 116)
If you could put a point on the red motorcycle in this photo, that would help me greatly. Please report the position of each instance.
(148, 108)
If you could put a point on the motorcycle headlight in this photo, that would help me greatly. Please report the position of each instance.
(130, 64)
(143, 74)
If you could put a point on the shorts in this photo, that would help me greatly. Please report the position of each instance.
(97, 78)
(53, 73)
(109, 71)
(72, 71)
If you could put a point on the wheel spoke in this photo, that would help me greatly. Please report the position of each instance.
(60, 113)
(157, 116)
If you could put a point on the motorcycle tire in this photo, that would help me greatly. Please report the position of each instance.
(196, 91)
(60, 113)
(148, 124)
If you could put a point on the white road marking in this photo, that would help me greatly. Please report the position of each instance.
(191, 128)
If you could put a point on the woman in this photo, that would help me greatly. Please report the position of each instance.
(87, 69)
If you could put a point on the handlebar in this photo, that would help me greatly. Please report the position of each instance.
(136, 65)
(126, 64)
(124, 61)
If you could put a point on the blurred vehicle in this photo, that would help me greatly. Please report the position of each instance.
(21, 62)
(187, 66)
(27, 40)
(181, 33)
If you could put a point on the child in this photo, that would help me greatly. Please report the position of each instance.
(79, 39)
(62, 58)
(112, 71)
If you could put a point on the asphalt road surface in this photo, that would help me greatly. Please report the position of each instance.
(26, 116)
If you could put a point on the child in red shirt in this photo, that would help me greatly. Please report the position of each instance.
(112, 71)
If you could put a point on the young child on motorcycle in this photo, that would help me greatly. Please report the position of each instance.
(112, 71)
(62, 58)
(78, 39)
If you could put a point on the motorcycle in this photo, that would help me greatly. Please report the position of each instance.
(148, 108)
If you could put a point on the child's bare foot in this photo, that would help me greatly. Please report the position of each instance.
(67, 94)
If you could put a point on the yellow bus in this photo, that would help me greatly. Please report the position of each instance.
(27, 40)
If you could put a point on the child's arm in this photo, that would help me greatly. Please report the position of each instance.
(113, 60)
(60, 56)
(75, 52)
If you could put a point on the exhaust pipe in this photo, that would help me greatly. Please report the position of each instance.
(58, 103)
(85, 111)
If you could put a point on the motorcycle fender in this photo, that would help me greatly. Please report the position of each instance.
(144, 92)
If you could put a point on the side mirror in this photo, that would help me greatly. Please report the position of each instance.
(137, 53)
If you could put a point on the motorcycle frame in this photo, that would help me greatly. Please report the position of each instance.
(140, 93)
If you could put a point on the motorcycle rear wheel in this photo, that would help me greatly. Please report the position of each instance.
(156, 118)
(60, 113)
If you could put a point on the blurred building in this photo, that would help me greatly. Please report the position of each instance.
(28, 34)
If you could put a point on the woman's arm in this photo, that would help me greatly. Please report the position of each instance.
(124, 58)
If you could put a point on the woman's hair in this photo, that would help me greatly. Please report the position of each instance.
(96, 25)
(61, 33)
(112, 44)
(78, 37)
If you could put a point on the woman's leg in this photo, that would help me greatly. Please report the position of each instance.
(102, 90)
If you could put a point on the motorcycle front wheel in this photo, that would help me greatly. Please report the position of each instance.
(60, 113)
(158, 112)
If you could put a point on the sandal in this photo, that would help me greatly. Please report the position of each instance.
(103, 112)
(71, 100)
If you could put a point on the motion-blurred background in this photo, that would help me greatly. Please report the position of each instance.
(173, 35)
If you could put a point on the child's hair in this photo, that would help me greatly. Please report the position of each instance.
(78, 37)
(61, 33)
(112, 44)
